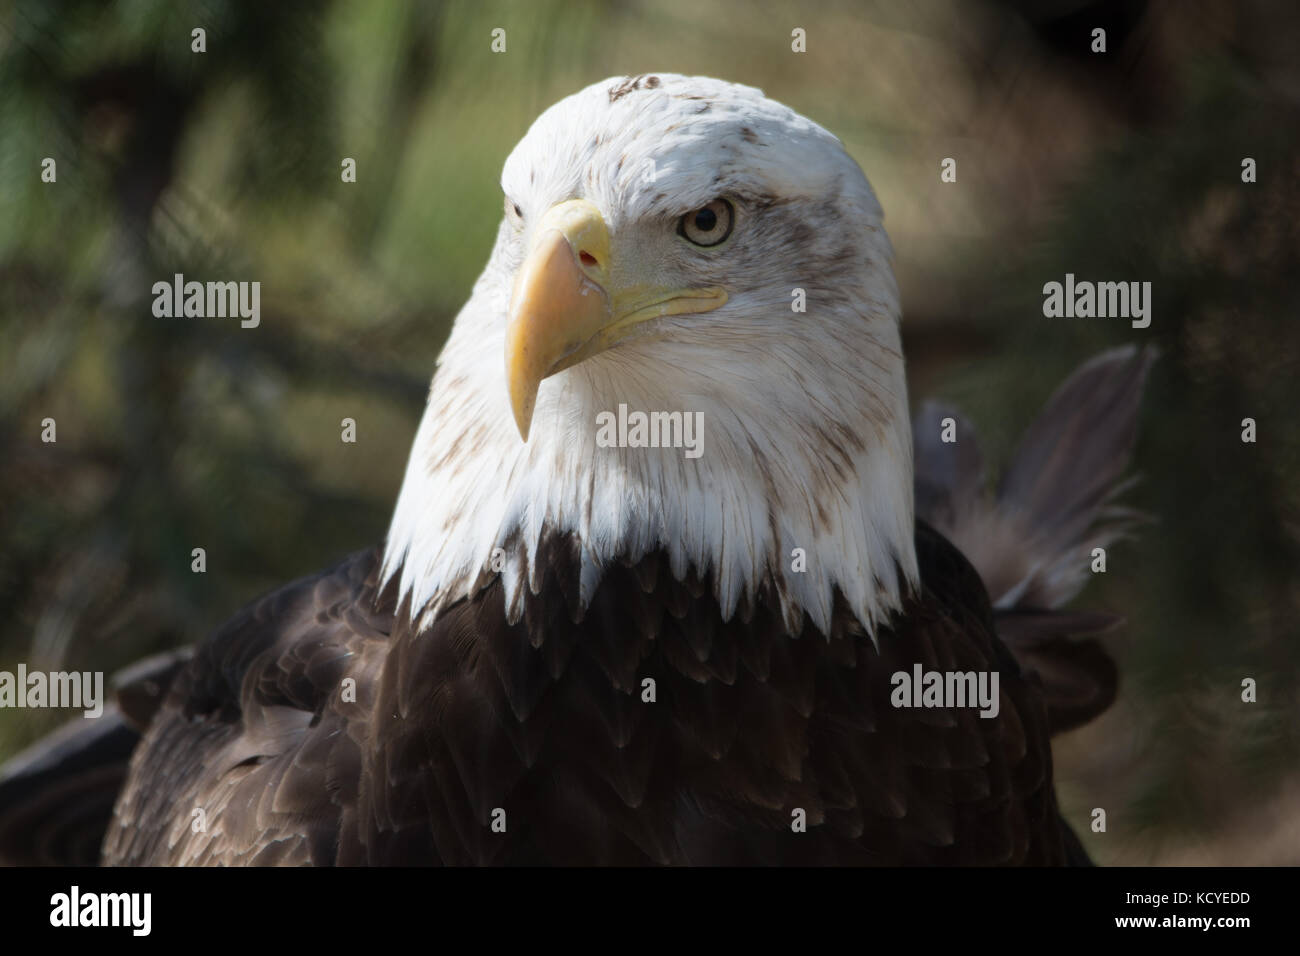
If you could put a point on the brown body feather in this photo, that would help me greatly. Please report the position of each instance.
(545, 721)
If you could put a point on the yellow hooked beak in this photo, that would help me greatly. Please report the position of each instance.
(564, 310)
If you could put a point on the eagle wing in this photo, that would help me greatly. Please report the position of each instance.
(254, 757)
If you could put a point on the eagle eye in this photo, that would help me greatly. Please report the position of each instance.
(708, 225)
(513, 212)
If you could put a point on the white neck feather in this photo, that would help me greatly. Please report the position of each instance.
(777, 472)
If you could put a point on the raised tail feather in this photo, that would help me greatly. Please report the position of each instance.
(1032, 540)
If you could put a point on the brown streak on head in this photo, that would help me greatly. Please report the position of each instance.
(620, 90)
(438, 461)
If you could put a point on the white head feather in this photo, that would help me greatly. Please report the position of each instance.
(807, 443)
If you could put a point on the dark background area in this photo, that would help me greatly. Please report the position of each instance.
(183, 433)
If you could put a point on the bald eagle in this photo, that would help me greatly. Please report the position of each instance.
(584, 645)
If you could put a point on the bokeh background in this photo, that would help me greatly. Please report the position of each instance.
(183, 433)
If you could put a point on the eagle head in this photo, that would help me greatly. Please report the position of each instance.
(690, 251)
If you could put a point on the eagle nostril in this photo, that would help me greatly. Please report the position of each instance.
(586, 258)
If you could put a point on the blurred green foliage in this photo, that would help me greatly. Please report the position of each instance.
(175, 433)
